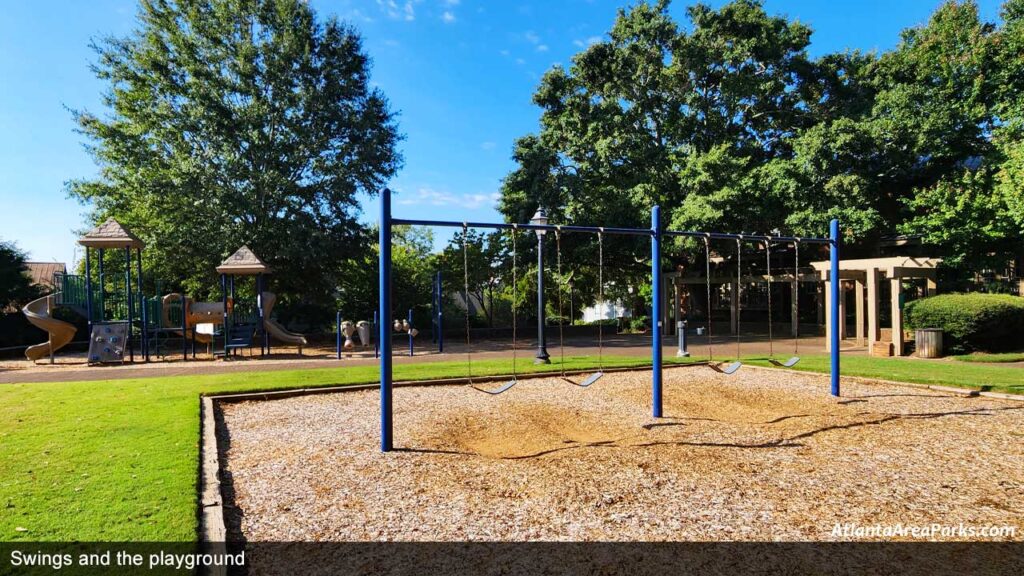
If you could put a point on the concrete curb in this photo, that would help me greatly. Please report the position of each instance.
(212, 528)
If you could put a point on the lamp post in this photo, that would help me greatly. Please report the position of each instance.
(540, 219)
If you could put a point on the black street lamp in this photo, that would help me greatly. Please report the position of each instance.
(540, 219)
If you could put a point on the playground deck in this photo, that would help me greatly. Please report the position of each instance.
(762, 455)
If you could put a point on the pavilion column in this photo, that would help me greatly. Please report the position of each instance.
(828, 325)
(873, 308)
(734, 305)
(842, 310)
(897, 316)
(859, 310)
(794, 313)
(931, 287)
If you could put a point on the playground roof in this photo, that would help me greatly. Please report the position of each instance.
(892, 266)
(243, 263)
(110, 234)
(42, 272)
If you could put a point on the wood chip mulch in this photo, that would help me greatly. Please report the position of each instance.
(760, 455)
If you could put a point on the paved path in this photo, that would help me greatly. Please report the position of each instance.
(72, 367)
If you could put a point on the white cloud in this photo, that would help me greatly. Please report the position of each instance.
(405, 11)
(487, 145)
(531, 37)
(520, 61)
(504, 52)
(448, 17)
(429, 196)
(542, 48)
(588, 42)
(450, 3)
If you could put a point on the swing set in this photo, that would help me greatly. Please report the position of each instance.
(656, 233)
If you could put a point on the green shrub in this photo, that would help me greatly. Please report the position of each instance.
(988, 322)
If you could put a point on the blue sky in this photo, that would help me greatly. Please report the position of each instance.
(461, 74)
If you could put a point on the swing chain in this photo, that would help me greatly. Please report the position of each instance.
(739, 290)
(600, 297)
(796, 298)
(768, 261)
(561, 288)
(707, 276)
(515, 293)
(465, 288)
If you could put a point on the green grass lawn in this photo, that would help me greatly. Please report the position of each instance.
(983, 377)
(117, 459)
(991, 358)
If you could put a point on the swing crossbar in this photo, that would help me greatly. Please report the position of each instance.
(601, 230)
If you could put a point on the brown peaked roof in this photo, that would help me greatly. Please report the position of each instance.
(110, 234)
(243, 262)
(42, 272)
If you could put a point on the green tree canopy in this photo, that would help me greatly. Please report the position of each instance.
(729, 124)
(239, 121)
(16, 288)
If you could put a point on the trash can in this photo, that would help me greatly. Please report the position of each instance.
(929, 342)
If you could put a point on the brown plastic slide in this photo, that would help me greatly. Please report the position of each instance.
(61, 333)
(278, 332)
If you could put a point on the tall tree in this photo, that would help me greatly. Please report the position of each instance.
(239, 121)
(16, 288)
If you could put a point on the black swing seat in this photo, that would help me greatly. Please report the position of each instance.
(787, 364)
(587, 381)
(730, 369)
(495, 391)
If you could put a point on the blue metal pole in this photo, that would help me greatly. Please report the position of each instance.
(88, 292)
(384, 329)
(656, 312)
(225, 327)
(103, 288)
(337, 325)
(184, 327)
(259, 312)
(411, 351)
(440, 320)
(835, 293)
(142, 307)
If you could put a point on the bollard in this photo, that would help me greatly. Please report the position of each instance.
(410, 332)
(682, 352)
(376, 340)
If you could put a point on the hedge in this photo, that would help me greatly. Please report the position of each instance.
(970, 322)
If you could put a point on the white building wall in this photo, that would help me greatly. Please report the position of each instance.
(604, 311)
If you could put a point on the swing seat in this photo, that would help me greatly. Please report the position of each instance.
(787, 364)
(588, 381)
(495, 391)
(730, 369)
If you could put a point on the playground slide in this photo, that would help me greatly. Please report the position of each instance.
(61, 333)
(276, 331)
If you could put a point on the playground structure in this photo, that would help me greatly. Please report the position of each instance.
(119, 319)
(656, 233)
